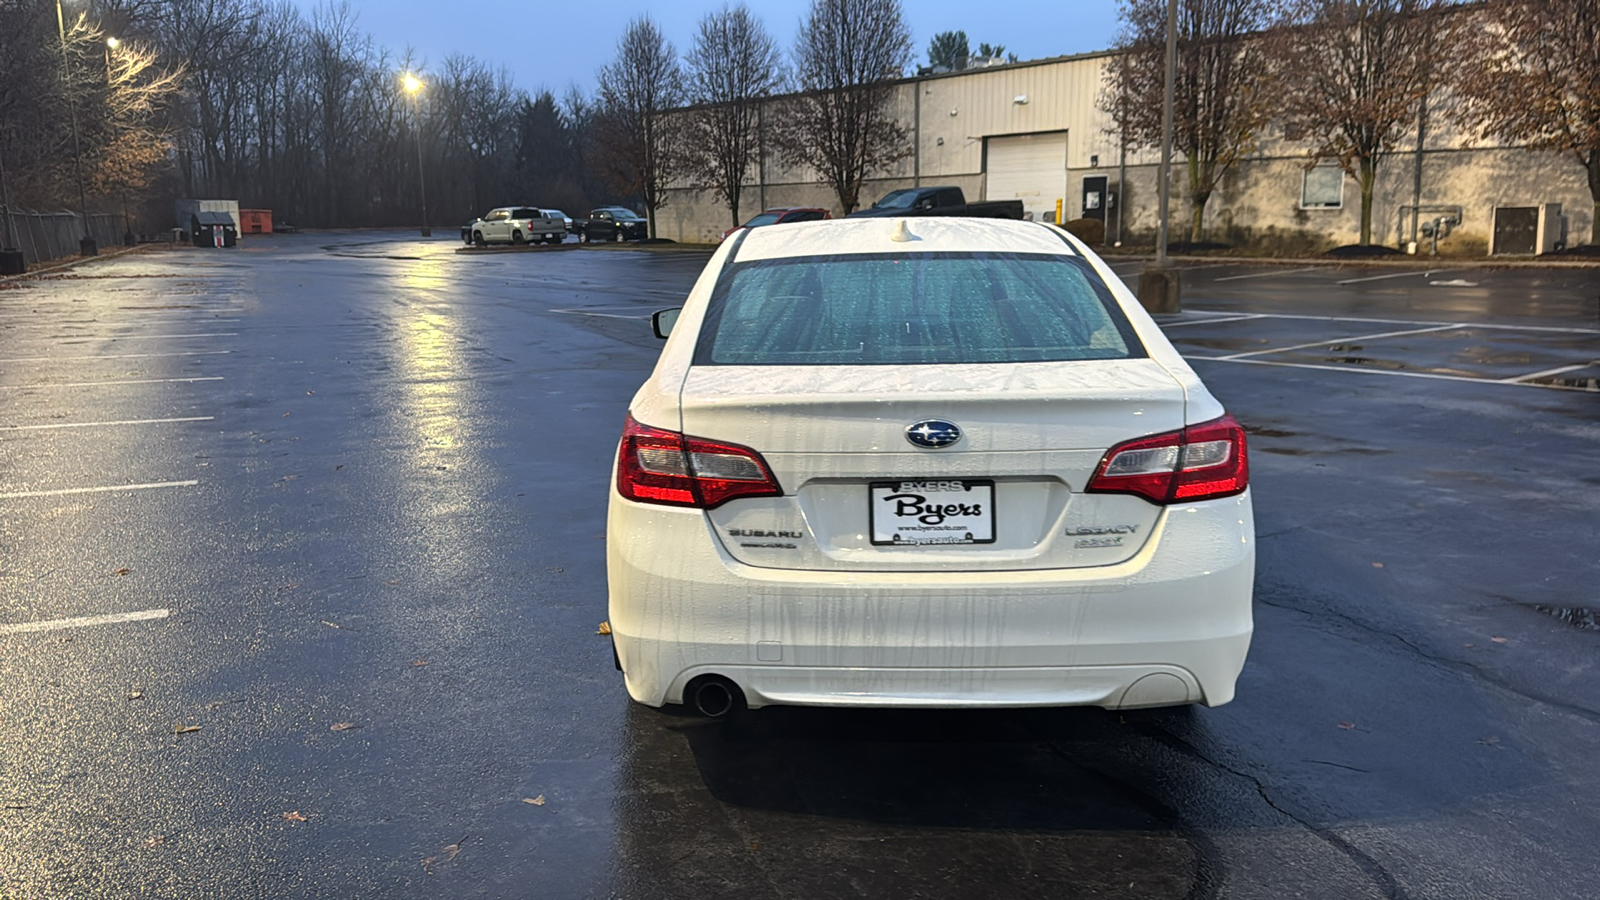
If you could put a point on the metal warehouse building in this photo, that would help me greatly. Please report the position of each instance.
(1034, 131)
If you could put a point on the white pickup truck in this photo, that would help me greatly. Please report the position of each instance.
(518, 225)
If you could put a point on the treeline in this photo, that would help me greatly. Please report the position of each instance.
(256, 101)
(304, 114)
(1354, 81)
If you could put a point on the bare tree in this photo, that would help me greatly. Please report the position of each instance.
(1222, 94)
(642, 153)
(732, 66)
(1353, 75)
(843, 123)
(1532, 77)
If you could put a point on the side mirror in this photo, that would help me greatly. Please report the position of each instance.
(662, 320)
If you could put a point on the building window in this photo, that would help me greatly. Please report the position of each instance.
(1322, 188)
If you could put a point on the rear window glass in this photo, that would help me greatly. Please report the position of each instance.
(526, 214)
(763, 219)
(934, 308)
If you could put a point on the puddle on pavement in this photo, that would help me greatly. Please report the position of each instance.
(1365, 361)
(1578, 617)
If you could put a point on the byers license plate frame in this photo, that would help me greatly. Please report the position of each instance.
(923, 512)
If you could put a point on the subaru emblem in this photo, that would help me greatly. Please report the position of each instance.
(934, 433)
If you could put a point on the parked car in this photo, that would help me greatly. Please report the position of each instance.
(566, 220)
(466, 231)
(938, 201)
(929, 464)
(613, 223)
(517, 225)
(781, 215)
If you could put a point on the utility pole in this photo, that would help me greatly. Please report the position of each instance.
(12, 262)
(1160, 290)
(86, 246)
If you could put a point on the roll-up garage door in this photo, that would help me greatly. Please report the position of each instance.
(1031, 168)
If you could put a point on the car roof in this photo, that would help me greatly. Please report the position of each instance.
(835, 237)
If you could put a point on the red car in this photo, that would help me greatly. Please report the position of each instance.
(779, 215)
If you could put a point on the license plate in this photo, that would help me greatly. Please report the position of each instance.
(931, 511)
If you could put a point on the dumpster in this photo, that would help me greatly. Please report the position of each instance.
(213, 229)
(255, 221)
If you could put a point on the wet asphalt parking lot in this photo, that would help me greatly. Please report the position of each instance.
(301, 560)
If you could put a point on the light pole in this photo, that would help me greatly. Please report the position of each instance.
(112, 44)
(1160, 289)
(414, 86)
(86, 246)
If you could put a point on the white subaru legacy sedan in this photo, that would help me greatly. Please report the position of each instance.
(925, 463)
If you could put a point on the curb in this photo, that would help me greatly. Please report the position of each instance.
(76, 261)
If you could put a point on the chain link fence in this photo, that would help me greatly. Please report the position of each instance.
(43, 236)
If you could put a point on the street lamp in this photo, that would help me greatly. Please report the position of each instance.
(414, 86)
(1160, 286)
(86, 246)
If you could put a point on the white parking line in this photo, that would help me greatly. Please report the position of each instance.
(143, 615)
(601, 315)
(76, 384)
(100, 424)
(23, 359)
(1393, 275)
(1550, 328)
(1289, 365)
(1267, 274)
(61, 492)
(1207, 321)
(1337, 340)
(70, 338)
(1549, 372)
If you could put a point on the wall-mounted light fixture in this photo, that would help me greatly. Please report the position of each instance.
(1020, 99)
(939, 142)
(1094, 160)
(953, 113)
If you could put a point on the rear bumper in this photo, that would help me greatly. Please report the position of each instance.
(1170, 625)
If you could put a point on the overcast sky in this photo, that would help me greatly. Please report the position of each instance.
(549, 44)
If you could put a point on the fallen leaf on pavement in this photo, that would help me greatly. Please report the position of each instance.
(1377, 565)
(419, 662)
(1489, 741)
(1347, 726)
(605, 628)
(331, 624)
(1498, 640)
(122, 571)
(185, 729)
(342, 726)
(453, 849)
(427, 863)
(135, 695)
(293, 816)
(156, 841)
(536, 801)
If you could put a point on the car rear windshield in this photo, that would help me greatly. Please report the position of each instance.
(903, 309)
(526, 214)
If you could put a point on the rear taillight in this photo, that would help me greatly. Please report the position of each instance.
(659, 466)
(1201, 462)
